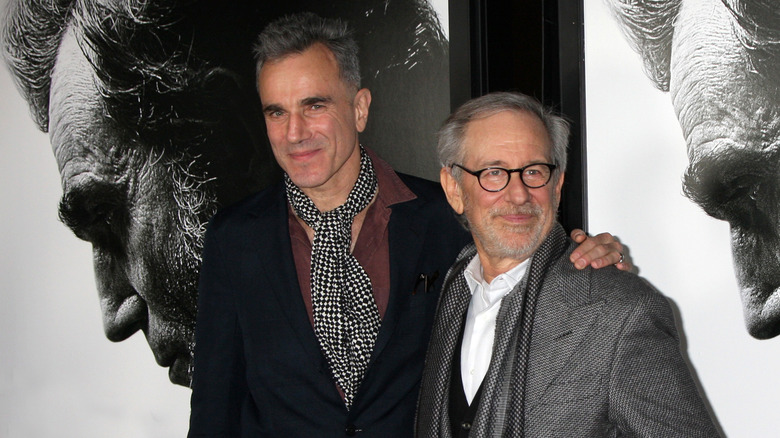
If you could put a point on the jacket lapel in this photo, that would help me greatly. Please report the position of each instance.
(278, 269)
(565, 317)
(433, 409)
(406, 234)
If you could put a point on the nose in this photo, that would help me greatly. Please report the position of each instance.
(124, 311)
(736, 185)
(297, 128)
(516, 192)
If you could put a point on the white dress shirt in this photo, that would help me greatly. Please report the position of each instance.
(479, 332)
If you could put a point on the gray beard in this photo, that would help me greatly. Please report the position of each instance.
(491, 240)
(496, 246)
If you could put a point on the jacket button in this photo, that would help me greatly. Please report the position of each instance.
(351, 430)
(465, 425)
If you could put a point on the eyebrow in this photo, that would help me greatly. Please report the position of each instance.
(89, 209)
(316, 99)
(494, 163)
(272, 108)
(500, 163)
(304, 102)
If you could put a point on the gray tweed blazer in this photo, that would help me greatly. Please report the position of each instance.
(604, 358)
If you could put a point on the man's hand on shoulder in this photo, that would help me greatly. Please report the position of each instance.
(598, 251)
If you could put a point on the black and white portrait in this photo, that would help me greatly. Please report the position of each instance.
(709, 138)
(720, 62)
(153, 123)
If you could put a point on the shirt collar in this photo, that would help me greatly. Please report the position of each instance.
(391, 189)
(494, 291)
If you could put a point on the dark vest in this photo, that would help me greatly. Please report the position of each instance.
(461, 413)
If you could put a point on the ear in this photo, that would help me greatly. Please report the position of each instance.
(451, 189)
(559, 185)
(361, 103)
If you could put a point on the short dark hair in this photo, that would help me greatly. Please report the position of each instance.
(295, 33)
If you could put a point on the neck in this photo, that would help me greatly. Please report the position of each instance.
(327, 200)
(357, 225)
(494, 264)
(335, 192)
(493, 268)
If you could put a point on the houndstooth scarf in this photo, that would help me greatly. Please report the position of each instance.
(346, 318)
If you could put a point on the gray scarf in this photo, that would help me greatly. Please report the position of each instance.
(502, 403)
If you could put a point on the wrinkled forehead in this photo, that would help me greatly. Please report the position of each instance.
(73, 89)
(506, 133)
(81, 135)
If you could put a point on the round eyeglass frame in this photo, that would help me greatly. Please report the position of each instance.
(509, 172)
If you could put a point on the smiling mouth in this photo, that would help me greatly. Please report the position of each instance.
(518, 218)
(303, 154)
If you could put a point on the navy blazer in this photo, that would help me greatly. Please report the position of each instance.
(259, 370)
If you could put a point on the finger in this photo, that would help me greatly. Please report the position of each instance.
(597, 254)
(585, 245)
(619, 259)
(625, 265)
(591, 257)
(578, 235)
(605, 239)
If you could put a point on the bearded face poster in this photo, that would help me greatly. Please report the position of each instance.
(126, 125)
(682, 128)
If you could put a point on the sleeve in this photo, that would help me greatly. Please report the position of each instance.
(219, 386)
(652, 392)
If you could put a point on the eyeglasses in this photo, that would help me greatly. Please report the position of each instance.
(495, 179)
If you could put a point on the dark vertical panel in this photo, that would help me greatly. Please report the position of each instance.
(515, 46)
(571, 101)
(460, 33)
(535, 47)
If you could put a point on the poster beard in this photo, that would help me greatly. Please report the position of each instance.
(155, 123)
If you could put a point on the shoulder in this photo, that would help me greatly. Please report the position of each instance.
(429, 197)
(421, 187)
(257, 207)
(432, 207)
(630, 295)
(608, 284)
(610, 281)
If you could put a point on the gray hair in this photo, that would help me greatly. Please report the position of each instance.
(295, 33)
(453, 131)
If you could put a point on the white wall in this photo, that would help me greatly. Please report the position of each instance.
(636, 156)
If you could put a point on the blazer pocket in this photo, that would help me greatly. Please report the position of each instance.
(568, 390)
(420, 300)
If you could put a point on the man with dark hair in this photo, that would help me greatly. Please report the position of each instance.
(153, 119)
(317, 294)
(523, 344)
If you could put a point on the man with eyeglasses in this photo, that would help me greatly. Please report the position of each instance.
(523, 343)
